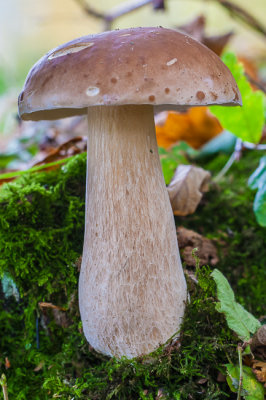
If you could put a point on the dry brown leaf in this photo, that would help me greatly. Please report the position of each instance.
(189, 240)
(186, 188)
(50, 305)
(196, 127)
(39, 366)
(196, 29)
(259, 339)
(61, 318)
(71, 147)
(217, 43)
(259, 369)
(7, 363)
(202, 381)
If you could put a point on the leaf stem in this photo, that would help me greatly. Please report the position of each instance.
(239, 350)
(3, 383)
(226, 167)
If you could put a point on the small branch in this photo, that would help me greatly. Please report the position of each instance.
(237, 12)
(116, 12)
(125, 8)
(89, 10)
(254, 82)
(243, 15)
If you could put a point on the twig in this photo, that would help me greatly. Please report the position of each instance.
(253, 146)
(243, 15)
(254, 82)
(239, 146)
(89, 10)
(131, 5)
(3, 383)
(116, 12)
(125, 8)
(239, 350)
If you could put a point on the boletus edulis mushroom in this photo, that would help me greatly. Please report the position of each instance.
(132, 290)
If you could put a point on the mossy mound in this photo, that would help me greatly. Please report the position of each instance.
(43, 352)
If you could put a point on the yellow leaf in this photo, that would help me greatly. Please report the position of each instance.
(196, 127)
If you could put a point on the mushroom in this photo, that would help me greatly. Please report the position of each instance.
(132, 290)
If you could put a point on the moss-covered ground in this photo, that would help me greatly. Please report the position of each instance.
(42, 349)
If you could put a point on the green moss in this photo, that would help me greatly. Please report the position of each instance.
(41, 225)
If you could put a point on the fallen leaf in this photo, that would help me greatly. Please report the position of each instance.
(189, 240)
(259, 369)
(186, 188)
(53, 160)
(39, 366)
(7, 363)
(61, 318)
(196, 29)
(259, 339)
(217, 43)
(50, 305)
(221, 377)
(69, 148)
(195, 127)
(202, 381)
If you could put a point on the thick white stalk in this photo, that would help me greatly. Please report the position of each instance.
(132, 288)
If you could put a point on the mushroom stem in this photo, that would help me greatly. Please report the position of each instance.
(132, 289)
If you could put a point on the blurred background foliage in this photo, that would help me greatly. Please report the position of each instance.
(30, 28)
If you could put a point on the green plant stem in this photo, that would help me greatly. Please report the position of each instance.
(4, 386)
(15, 174)
(239, 350)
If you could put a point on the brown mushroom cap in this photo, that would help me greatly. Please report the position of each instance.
(155, 66)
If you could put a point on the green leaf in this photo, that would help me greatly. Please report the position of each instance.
(258, 181)
(222, 143)
(251, 388)
(238, 319)
(245, 122)
(170, 159)
(259, 206)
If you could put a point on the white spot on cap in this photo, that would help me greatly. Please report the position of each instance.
(125, 34)
(171, 62)
(69, 50)
(92, 91)
(209, 82)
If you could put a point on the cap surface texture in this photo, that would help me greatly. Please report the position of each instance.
(156, 66)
